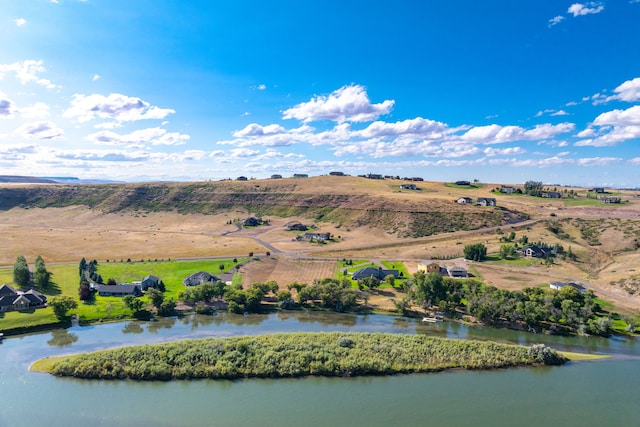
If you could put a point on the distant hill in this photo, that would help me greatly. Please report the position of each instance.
(25, 179)
(348, 201)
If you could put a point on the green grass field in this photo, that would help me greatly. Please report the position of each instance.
(65, 280)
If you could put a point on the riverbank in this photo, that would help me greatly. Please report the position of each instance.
(295, 355)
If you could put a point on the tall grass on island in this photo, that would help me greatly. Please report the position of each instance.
(296, 355)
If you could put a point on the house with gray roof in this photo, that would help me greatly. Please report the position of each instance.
(376, 272)
(12, 300)
(118, 290)
(199, 278)
(149, 281)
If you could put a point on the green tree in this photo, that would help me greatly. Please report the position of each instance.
(156, 297)
(21, 274)
(533, 188)
(41, 277)
(84, 292)
(132, 303)
(507, 251)
(475, 252)
(82, 267)
(61, 304)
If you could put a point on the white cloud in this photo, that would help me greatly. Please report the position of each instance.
(559, 113)
(262, 87)
(347, 104)
(418, 127)
(243, 152)
(555, 20)
(27, 72)
(256, 130)
(628, 91)
(581, 9)
(614, 127)
(138, 138)
(495, 134)
(39, 130)
(7, 107)
(108, 125)
(20, 22)
(492, 152)
(96, 77)
(39, 110)
(598, 161)
(115, 107)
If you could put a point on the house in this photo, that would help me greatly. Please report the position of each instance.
(241, 178)
(429, 267)
(276, 176)
(251, 222)
(296, 226)
(12, 300)
(464, 201)
(610, 200)
(408, 187)
(416, 178)
(552, 194)
(317, 236)
(336, 173)
(118, 290)
(486, 201)
(507, 189)
(457, 271)
(375, 272)
(559, 285)
(374, 176)
(463, 183)
(598, 190)
(199, 278)
(300, 175)
(149, 282)
(533, 251)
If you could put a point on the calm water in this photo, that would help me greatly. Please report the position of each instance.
(602, 393)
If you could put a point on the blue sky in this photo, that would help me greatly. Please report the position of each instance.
(500, 91)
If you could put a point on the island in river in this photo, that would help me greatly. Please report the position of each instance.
(296, 355)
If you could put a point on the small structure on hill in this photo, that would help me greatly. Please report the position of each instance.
(241, 178)
(276, 176)
(317, 236)
(336, 173)
(507, 189)
(464, 201)
(559, 285)
(463, 183)
(457, 271)
(609, 200)
(296, 226)
(429, 267)
(199, 278)
(552, 194)
(486, 201)
(251, 222)
(300, 175)
(375, 272)
(408, 187)
(533, 251)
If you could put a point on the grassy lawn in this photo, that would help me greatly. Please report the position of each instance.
(473, 186)
(520, 262)
(580, 201)
(396, 265)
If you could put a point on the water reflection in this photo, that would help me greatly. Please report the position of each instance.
(62, 338)
(132, 328)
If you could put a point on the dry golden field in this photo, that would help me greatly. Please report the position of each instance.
(605, 238)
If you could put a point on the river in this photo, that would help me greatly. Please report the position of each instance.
(597, 393)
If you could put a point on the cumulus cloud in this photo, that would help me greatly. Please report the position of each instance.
(496, 134)
(139, 138)
(20, 22)
(581, 9)
(628, 91)
(7, 107)
(27, 72)
(39, 110)
(255, 129)
(492, 152)
(114, 107)
(347, 104)
(613, 127)
(418, 127)
(96, 77)
(39, 130)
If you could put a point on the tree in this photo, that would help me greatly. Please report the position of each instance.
(156, 297)
(507, 251)
(84, 292)
(475, 252)
(41, 276)
(167, 308)
(61, 304)
(134, 304)
(82, 266)
(21, 274)
(533, 188)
